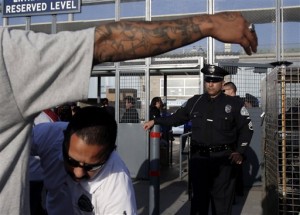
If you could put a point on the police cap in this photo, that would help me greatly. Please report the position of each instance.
(213, 73)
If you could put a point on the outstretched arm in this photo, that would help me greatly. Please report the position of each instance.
(127, 40)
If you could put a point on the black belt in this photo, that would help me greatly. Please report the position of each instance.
(210, 148)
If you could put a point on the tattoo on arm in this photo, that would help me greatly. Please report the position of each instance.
(229, 17)
(127, 40)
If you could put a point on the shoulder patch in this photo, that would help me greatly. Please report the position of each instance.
(250, 126)
(244, 111)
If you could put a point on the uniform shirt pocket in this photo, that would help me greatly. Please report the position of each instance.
(197, 119)
(226, 122)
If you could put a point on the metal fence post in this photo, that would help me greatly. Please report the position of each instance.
(154, 172)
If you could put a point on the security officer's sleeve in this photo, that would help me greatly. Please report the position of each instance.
(181, 116)
(176, 119)
(244, 129)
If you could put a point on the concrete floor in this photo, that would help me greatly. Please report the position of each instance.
(173, 197)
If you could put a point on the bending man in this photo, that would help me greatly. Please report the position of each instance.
(83, 172)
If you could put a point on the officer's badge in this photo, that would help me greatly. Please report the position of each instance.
(228, 108)
(211, 69)
(244, 112)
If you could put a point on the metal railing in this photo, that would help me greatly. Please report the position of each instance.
(188, 141)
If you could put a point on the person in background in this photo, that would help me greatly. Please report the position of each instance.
(229, 89)
(46, 116)
(74, 107)
(131, 114)
(64, 112)
(251, 101)
(105, 104)
(24, 87)
(221, 132)
(83, 172)
(155, 107)
(154, 112)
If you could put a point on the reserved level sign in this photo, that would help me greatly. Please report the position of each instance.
(12, 8)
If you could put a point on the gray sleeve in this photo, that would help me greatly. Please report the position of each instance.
(47, 70)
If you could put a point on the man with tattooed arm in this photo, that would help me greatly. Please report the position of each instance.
(34, 68)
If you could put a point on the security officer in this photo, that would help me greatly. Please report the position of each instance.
(221, 132)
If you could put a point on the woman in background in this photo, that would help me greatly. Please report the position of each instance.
(155, 106)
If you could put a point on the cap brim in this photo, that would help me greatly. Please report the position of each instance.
(213, 79)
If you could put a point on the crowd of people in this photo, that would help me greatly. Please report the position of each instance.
(33, 80)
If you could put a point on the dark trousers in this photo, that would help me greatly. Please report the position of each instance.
(213, 182)
(239, 188)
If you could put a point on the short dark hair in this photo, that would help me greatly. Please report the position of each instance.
(104, 101)
(93, 125)
(231, 85)
(64, 112)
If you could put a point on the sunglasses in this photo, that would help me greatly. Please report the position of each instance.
(86, 167)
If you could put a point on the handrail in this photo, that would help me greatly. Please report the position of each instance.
(180, 151)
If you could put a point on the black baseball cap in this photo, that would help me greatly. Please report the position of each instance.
(213, 73)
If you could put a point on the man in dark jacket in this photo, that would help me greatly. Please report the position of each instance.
(107, 107)
(221, 132)
(131, 115)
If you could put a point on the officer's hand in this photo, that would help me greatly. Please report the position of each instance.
(148, 125)
(236, 158)
(232, 27)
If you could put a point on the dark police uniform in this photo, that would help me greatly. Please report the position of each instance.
(220, 126)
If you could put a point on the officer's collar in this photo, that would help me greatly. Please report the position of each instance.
(215, 98)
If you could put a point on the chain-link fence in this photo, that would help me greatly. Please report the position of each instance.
(282, 141)
(132, 97)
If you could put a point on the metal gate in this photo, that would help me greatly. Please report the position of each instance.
(132, 139)
(282, 141)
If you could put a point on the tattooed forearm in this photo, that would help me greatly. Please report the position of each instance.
(125, 40)
(229, 17)
(128, 40)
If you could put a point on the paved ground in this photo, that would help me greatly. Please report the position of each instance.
(174, 196)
